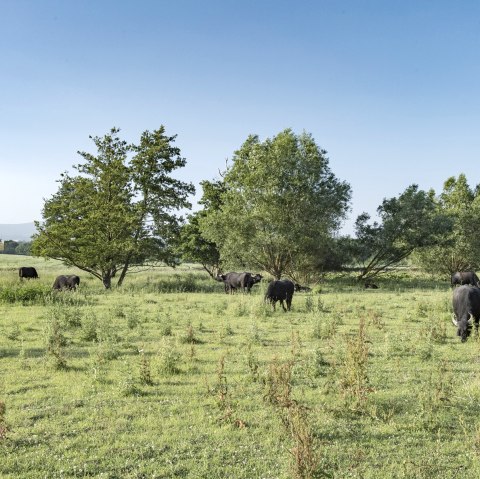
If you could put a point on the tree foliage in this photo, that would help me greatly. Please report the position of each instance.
(280, 206)
(407, 223)
(460, 248)
(192, 245)
(119, 210)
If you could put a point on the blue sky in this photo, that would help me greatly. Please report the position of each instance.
(391, 89)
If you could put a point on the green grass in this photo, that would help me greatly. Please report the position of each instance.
(169, 377)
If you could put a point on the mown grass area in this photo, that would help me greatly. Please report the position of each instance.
(171, 377)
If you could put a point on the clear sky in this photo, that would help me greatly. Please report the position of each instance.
(390, 88)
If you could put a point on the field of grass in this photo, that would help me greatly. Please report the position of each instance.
(170, 377)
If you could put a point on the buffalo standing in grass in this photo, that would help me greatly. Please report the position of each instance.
(234, 281)
(280, 290)
(466, 309)
(66, 282)
(27, 272)
(465, 277)
(299, 287)
(254, 279)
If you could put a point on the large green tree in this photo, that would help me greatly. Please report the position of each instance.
(407, 223)
(460, 246)
(192, 245)
(280, 206)
(119, 211)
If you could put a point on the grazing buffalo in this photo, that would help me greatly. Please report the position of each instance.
(234, 281)
(66, 282)
(27, 272)
(371, 286)
(466, 308)
(465, 277)
(280, 290)
(299, 287)
(256, 278)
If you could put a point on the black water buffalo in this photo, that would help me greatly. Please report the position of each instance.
(465, 277)
(466, 309)
(371, 286)
(254, 279)
(27, 272)
(299, 287)
(66, 282)
(234, 281)
(280, 290)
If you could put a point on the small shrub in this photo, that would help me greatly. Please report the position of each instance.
(325, 328)
(168, 358)
(309, 307)
(133, 319)
(108, 350)
(314, 307)
(14, 333)
(315, 364)
(128, 386)
(107, 332)
(375, 319)
(295, 418)
(145, 370)
(26, 293)
(252, 364)
(436, 395)
(225, 330)
(425, 349)
(421, 310)
(55, 343)
(89, 327)
(3, 425)
(189, 337)
(354, 381)
(241, 309)
(295, 344)
(254, 334)
(166, 330)
(435, 330)
(118, 311)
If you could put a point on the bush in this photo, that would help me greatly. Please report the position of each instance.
(168, 358)
(25, 293)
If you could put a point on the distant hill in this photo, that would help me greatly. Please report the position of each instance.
(18, 232)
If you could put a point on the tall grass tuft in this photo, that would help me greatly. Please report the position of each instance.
(189, 336)
(145, 370)
(295, 419)
(3, 424)
(325, 327)
(253, 364)
(354, 381)
(27, 293)
(168, 358)
(55, 343)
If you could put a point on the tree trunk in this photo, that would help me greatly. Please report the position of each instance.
(107, 280)
(123, 273)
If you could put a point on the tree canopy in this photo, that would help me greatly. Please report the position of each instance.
(280, 204)
(192, 245)
(119, 210)
(407, 223)
(459, 249)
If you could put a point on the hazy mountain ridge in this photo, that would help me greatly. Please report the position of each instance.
(17, 232)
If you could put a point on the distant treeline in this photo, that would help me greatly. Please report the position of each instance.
(15, 247)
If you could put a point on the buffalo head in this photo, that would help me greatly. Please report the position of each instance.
(464, 327)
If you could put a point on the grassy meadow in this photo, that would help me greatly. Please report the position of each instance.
(170, 377)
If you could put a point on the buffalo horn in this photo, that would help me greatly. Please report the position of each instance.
(454, 321)
(471, 318)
